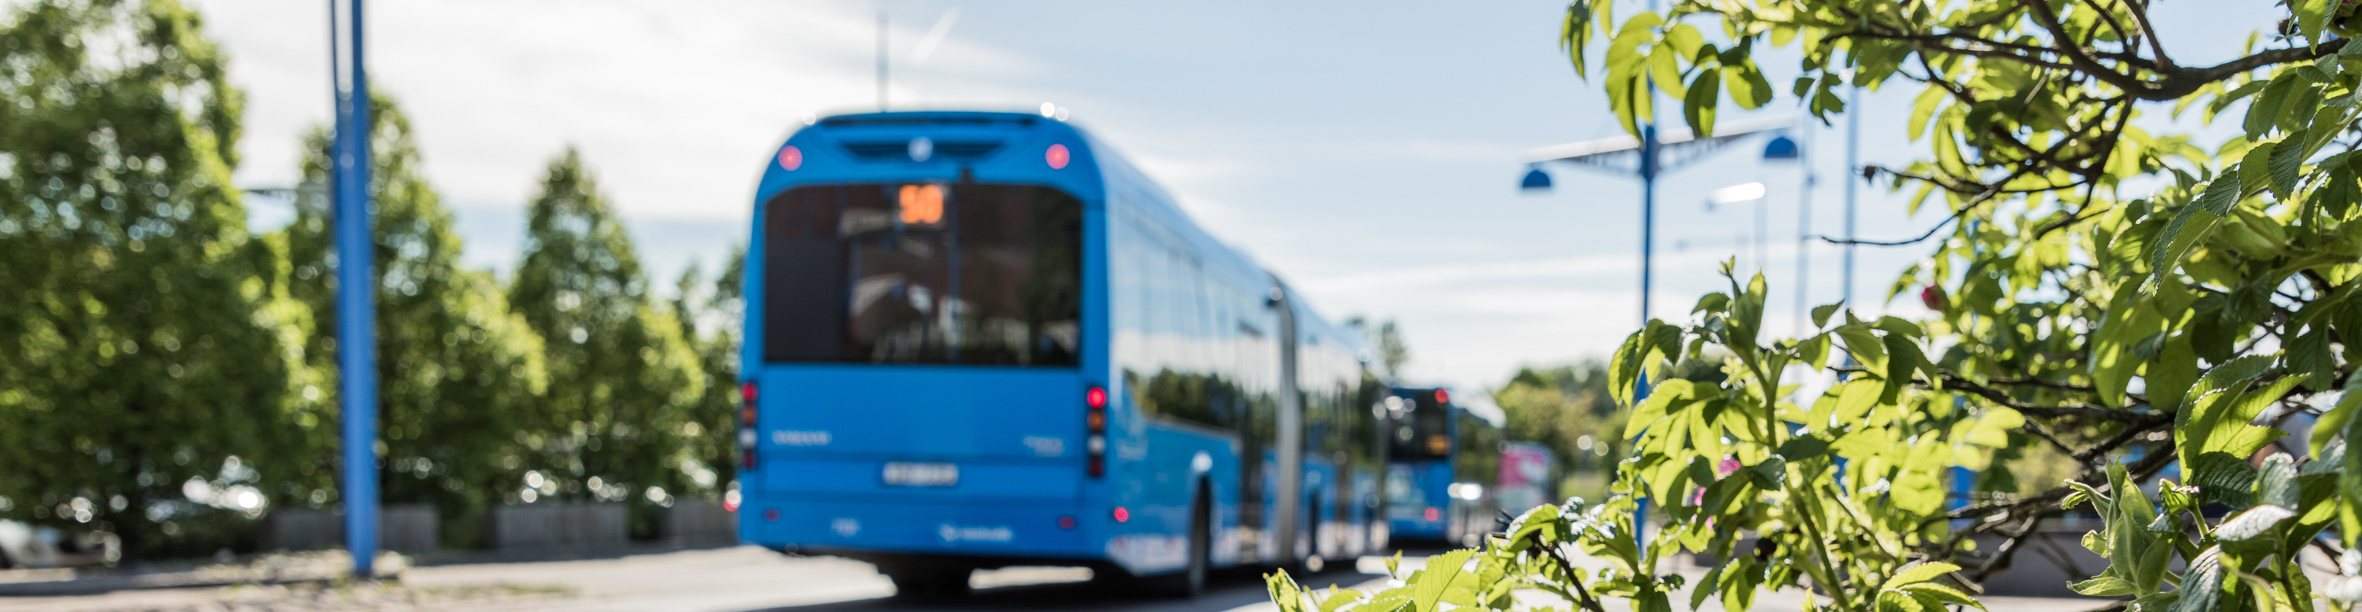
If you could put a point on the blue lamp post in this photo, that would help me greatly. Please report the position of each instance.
(1785, 149)
(356, 305)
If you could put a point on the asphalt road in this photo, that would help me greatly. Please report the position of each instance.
(744, 579)
(748, 579)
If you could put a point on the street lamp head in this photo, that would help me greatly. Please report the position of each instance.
(1536, 181)
(1781, 148)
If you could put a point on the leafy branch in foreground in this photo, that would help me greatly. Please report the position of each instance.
(2156, 340)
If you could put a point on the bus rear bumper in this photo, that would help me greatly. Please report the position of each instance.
(990, 536)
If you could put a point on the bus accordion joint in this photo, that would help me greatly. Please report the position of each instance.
(1095, 427)
(747, 436)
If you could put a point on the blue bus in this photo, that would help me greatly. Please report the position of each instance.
(976, 340)
(1443, 465)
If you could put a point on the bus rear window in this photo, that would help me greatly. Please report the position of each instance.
(1425, 432)
(923, 273)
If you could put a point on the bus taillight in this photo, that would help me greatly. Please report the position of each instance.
(1095, 427)
(746, 404)
(747, 436)
(1442, 397)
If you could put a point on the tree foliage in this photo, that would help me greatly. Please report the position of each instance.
(709, 312)
(1559, 407)
(2136, 302)
(620, 371)
(459, 375)
(141, 344)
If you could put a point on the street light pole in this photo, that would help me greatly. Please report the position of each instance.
(356, 306)
(1853, 142)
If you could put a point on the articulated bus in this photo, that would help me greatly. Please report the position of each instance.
(1443, 465)
(976, 340)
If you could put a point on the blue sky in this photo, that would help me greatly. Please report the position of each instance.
(1367, 151)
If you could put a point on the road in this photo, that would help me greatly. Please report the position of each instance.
(746, 579)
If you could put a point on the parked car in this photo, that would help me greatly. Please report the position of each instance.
(43, 546)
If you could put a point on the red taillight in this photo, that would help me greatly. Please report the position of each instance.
(1442, 397)
(747, 432)
(791, 158)
(1095, 430)
(1057, 156)
(1122, 515)
(1065, 522)
(1433, 514)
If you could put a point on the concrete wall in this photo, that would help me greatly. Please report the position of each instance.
(407, 528)
(699, 524)
(570, 527)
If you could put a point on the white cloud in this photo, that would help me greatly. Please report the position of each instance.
(675, 109)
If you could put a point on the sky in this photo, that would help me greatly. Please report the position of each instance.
(1368, 152)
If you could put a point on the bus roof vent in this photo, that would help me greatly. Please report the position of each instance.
(900, 150)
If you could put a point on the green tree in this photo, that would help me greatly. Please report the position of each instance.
(458, 373)
(622, 379)
(709, 314)
(142, 345)
(2176, 327)
(1560, 407)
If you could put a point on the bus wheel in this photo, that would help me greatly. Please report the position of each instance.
(1191, 581)
(927, 580)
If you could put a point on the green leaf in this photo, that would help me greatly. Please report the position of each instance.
(2190, 225)
(2255, 168)
(2311, 15)
(1769, 474)
(1854, 399)
(1918, 573)
(2229, 374)
(1684, 40)
(2276, 482)
(1925, 107)
(1942, 593)
(2171, 374)
(1918, 493)
(1664, 69)
(2103, 586)
(1661, 401)
(2264, 112)
(2221, 478)
(1804, 448)
(2128, 320)
(2285, 161)
(1821, 313)
(1700, 104)
(2253, 523)
(2203, 583)
(1747, 86)
(1443, 574)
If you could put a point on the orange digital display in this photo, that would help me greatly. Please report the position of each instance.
(922, 204)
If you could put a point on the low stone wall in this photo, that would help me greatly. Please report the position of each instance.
(587, 528)
(405, 528)
(699, 524)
